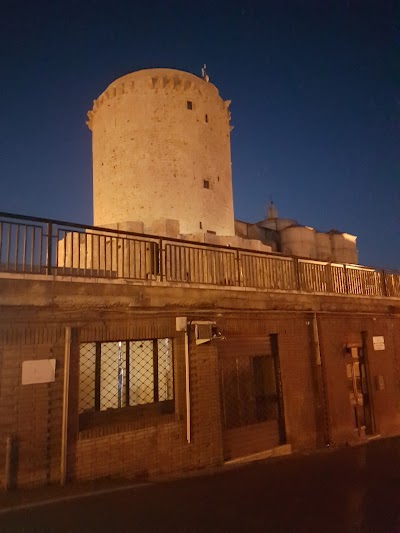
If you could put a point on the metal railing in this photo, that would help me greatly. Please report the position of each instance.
(42, 246)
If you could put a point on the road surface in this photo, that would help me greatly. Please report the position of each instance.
(347, 490)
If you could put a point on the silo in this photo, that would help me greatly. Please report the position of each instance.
(161, 150)
(323, 244)
(299, 241)
(344, 247)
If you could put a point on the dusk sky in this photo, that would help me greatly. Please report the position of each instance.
(315, 103)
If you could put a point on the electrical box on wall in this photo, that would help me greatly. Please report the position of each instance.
(204, 331)
(181, 323)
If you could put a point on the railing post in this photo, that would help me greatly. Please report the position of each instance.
(160, 259)
(383, 283)
(345, 279)
(329, 280)
(395, 284)
(49, 248)
(239, 269)
(297, 273)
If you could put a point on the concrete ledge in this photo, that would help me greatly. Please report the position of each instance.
(285, 449)
(68, 295)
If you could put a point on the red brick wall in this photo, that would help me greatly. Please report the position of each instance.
(161, 446)
(33, 412)
(335, 333)
(30, 413)
(296, 368)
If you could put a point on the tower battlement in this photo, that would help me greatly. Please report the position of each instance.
(159, 79)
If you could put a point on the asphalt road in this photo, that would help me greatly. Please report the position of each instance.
(348, 490)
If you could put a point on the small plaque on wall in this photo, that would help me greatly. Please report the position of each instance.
(379, 343)
(40, 371)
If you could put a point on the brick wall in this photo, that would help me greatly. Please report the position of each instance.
(160, 446)
(296, 368)
(335, 333)
(32, 413)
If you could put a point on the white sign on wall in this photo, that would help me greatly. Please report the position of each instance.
(181, 323)
(40, 371)
(379, 343)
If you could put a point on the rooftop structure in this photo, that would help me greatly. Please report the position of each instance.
(289, 237)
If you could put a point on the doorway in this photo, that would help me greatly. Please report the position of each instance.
(251, 395)
(359, 395)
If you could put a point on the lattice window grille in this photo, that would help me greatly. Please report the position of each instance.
(118, 374)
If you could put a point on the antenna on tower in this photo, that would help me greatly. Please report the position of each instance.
(204, 74)
(272, 211)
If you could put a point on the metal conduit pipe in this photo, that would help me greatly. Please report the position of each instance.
(8, 466)
(64, 428)
(322, 380)
(187, 377)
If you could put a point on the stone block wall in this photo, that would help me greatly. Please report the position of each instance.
(161, 149)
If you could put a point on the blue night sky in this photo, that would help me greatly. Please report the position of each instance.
(315, 102)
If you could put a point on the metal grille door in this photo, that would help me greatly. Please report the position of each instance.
(252, 410)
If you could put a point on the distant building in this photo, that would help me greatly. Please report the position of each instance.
(290, 238)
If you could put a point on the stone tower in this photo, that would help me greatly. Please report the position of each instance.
(161, 150)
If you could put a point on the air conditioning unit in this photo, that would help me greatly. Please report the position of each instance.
(204, 331)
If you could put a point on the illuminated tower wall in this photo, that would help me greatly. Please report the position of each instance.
(161, 150)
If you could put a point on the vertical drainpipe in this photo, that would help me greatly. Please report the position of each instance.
(187, 388)
(8, 481)
(317, 346)
(64, 428)
(321, 381)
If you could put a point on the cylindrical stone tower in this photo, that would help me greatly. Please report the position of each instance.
(161, 150)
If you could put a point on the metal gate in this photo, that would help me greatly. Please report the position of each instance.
(251, 395)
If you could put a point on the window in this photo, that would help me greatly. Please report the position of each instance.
(206, 184)
(206, 118)
(125, 379)
(189, 104)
